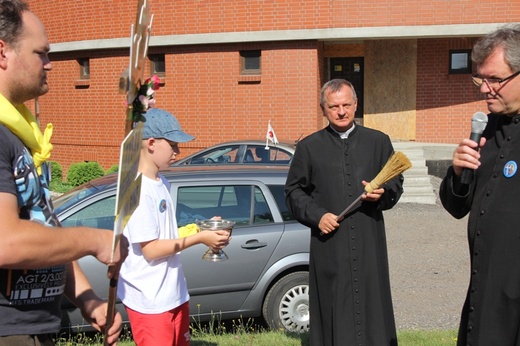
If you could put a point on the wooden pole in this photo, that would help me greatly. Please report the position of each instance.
(129, 83)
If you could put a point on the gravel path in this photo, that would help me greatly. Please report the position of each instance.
(429, 265)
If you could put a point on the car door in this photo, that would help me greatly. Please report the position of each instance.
(94, 211)
(220, 287)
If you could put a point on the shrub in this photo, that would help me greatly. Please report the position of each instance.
(112, 169)
(57, 184)
(56, 171)
(80, 173)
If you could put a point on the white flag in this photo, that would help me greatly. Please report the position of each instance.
(270, 134)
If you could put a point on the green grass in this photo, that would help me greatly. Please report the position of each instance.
(427, 337)
(253, 337)
(249, 332)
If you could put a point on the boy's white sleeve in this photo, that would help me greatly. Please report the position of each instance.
(143, 224)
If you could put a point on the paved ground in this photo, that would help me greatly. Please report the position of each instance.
(429, 265)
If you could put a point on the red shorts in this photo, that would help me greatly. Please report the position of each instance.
(168, 328)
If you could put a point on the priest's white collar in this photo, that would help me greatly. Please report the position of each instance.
(344, 135)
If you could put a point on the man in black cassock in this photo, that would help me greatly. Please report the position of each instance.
(491, 312)
(349, 285)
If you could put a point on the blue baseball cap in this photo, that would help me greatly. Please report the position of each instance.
(161, 124)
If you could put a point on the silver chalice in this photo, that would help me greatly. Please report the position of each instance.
(215, 225)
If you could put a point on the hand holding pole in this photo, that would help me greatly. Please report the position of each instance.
(396, 164)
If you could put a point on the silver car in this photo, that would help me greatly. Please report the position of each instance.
(255, 152)
(267, 270)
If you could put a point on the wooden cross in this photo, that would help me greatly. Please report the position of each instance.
(132, 78)
(129, 181)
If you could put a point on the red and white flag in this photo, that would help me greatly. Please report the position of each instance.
(270, 136)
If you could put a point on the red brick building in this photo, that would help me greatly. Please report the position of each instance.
(397, 53)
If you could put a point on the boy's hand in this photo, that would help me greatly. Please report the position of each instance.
(216, 240)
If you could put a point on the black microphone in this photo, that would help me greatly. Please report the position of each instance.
(478, 124)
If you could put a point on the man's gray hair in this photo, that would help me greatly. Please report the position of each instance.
(507, 37)
(334, 86)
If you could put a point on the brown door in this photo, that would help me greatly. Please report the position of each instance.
(351, 69)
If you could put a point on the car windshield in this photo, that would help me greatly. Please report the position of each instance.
(74, 196)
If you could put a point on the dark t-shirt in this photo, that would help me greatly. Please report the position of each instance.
(29, 299)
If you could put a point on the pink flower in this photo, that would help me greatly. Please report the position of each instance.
(144, 98)
(155, 81)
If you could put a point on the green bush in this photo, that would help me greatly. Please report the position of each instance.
(112, 169)
(80, 173)
(57, 184)
(56, 171)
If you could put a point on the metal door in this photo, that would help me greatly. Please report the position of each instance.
(351, 69)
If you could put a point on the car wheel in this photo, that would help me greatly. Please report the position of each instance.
(287, 303)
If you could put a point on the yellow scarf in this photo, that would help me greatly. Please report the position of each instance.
(23, 124)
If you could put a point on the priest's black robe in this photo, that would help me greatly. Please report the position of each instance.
(491, 312)
(349, 285)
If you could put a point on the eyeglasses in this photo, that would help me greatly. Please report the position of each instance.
(492, 82)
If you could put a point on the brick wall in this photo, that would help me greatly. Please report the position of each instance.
(88, 118)
(445, 102)
(80, 20)
(203, 88)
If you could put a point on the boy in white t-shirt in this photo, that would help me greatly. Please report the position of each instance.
(151, 284)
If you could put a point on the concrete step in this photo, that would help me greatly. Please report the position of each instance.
(420, 181)
(421, 199)
(416, 171)
(417, 184)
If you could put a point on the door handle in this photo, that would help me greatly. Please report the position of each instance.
(253, 244)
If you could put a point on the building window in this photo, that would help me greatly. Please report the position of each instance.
(250, 62)
(460, 61)
(157, 65)
(84, 68)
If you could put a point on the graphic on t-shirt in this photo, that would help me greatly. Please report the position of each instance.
(38, 286)
(27, 287)
(33, 195)
(162, 206)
